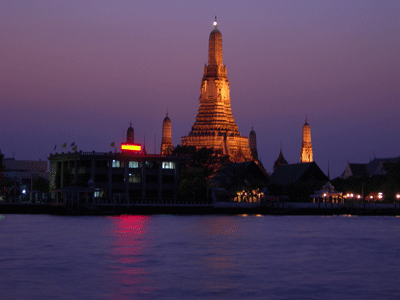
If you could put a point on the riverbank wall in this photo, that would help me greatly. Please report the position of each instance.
(369, 209)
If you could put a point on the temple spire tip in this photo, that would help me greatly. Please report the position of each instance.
(215, 22)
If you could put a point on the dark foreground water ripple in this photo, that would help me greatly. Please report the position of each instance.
(199, 257)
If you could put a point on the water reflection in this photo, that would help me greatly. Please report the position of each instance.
(128, 248)
(199, 257)
(219, 236)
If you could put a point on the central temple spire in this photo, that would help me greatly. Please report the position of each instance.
(215, 49)
(215, 126)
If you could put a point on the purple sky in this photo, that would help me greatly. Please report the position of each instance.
(80, 71)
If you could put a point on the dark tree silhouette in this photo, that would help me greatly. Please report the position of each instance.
(202, 166)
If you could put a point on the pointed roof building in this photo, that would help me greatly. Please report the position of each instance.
(374, 167)
(306, 154)
(215, 126)
(280, 161)
(253, 144)
(130, 134)
(297, 173)
(166, 142)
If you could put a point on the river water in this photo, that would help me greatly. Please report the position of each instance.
(199, 257)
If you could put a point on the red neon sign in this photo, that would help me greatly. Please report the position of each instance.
(131, 147)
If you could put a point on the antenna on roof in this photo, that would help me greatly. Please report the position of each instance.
(144, 144)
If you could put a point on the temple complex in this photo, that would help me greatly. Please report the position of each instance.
(166, 142)
(215, 126)
(306, 154)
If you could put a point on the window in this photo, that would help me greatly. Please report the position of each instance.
(135, 178)
(135, 164)
(118, 178)
(168, 179)
(116, 163)
(135, 194)
(167, 194)
(151, 194)
(101, 164)
(101, 177)
(86, 163)
(168, 165)
(151, 165)
(151, 178)
(98, 193)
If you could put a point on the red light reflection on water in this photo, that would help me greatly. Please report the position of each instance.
(128, 248)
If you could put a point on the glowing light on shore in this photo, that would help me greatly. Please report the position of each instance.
(131, 147)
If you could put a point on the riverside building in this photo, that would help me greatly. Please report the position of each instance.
(128, 177)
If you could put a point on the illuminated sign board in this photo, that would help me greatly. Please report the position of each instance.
(131, 147)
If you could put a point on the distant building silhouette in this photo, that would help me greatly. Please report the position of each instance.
(298, 173)
(280, 161)
(130, 134)
(374, 167)
(253, 144)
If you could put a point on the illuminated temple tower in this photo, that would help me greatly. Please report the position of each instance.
(306, 154)
(166, 142)
(215, 126)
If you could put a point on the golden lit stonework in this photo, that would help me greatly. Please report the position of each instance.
(166, 143)
(215, 126)
(306, 154)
